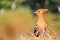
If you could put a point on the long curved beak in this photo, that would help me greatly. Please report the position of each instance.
(35, 12)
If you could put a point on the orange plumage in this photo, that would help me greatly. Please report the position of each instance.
(41, 24)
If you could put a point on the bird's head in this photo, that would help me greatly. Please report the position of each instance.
(41, 11)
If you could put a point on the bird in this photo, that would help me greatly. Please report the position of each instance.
(41, 25)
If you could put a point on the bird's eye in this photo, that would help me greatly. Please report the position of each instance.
(38, 11)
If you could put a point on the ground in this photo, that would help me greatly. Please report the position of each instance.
(20, 23)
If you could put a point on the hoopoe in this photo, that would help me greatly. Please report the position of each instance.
(41, 24)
